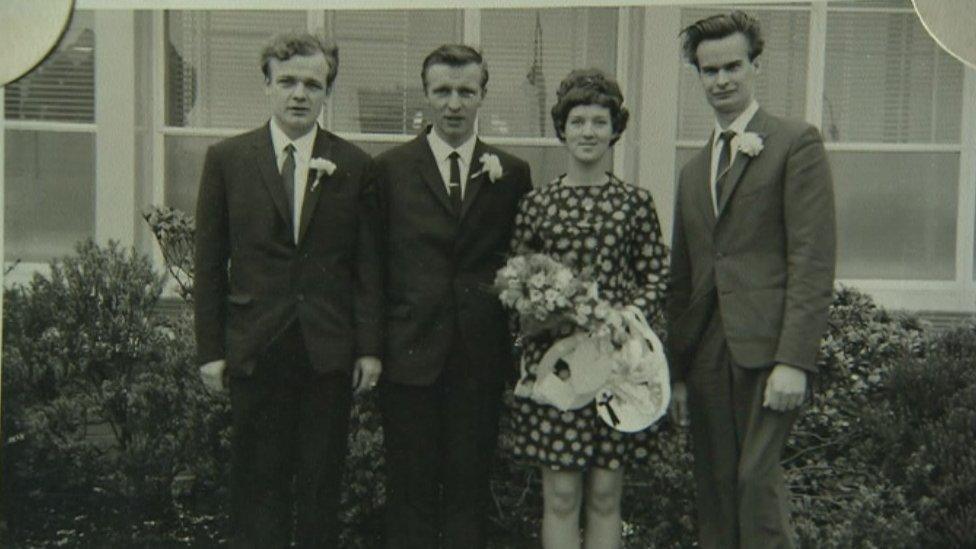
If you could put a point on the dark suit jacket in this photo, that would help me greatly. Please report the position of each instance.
(767, 261)
(252, 281)
(440, 268)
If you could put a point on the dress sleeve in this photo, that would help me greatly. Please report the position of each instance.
(648, 260)
(525, 239)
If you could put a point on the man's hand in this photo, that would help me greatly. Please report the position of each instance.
(785, 388)
(366, 374)
(679, 403)
(212, 375)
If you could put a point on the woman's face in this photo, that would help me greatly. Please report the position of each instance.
(589, 130)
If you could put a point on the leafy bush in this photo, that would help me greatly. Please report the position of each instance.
(930, 438)
(832, 456)
(100, 403)
(883, 456)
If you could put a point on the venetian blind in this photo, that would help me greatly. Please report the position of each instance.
(379, 89)
(213, 71)
(782, 79)
(529, 52)
(887, 81)
(62, 87)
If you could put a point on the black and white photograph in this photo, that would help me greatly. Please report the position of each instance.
(488, 275)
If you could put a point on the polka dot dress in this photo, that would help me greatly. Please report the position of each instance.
(612, 232)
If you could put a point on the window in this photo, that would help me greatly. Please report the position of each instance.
(378, 90)
(782, 79)
(529, 52)
(214, 87)
(891, 116)
(49, 153)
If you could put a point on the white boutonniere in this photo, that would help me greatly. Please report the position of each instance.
(320, 166)
(749, 143)
(491, 165)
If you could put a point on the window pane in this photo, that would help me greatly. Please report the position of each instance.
(896, 214)
(184, 165)
(213, 70)
(888, 226)
(529, 52)
(62, 87)
(887, 81)
(378, 89)
(49, 193)
(782, 80)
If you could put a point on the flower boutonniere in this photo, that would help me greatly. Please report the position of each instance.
(750, 143)
(320, 166)
(491, 165)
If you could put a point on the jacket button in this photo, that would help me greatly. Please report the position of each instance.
(719, 255)
(301, 297)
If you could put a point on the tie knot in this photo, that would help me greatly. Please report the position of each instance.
(728, 136)
(454, 155)
(290, 148)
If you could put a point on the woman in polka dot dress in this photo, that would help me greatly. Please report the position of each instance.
(591, 221)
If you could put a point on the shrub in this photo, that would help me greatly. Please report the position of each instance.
(832, 456)
(99, 400)
(930, 428)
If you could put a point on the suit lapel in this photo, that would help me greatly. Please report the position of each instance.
(756, 125)
(474, 183)
(427, 166)
(322, 148)
(264, 157)
(701, 182)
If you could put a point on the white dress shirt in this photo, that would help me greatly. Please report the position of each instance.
(303, 154)
(739, 127)
(442, 154)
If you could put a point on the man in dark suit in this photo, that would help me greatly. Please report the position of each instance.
(449, 203)
(287, 299)
(752, 277)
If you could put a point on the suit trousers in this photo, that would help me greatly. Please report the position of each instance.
(440, 442)
(737, 445)
(288, 446)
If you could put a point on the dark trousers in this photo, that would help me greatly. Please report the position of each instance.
(742, 499)
(440, 441)
(288, 446)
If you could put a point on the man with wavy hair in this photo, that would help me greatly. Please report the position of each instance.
(752, 277)
(287, 299)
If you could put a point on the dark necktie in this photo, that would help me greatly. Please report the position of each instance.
(454, 185)
(724, 156)
(288, 177)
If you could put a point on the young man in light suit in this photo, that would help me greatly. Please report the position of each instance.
(449, 203)
(287, 299)
(752, 277)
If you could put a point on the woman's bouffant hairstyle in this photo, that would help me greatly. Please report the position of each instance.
(284, 46)
(718, 27)
(589, 87)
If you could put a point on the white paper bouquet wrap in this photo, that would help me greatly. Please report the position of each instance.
(614, 362)
(638, 390)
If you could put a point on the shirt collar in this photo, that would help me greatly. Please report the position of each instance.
(442, 150)
(739, 124)
(303, 145)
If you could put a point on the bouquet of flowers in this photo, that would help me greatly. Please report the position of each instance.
(537, 286)
(613, 360)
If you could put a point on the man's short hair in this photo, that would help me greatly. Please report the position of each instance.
(717, 27)
(455, 55)
(589, 87)
(286, 45)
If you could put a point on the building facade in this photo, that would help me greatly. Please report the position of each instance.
(119, 117)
